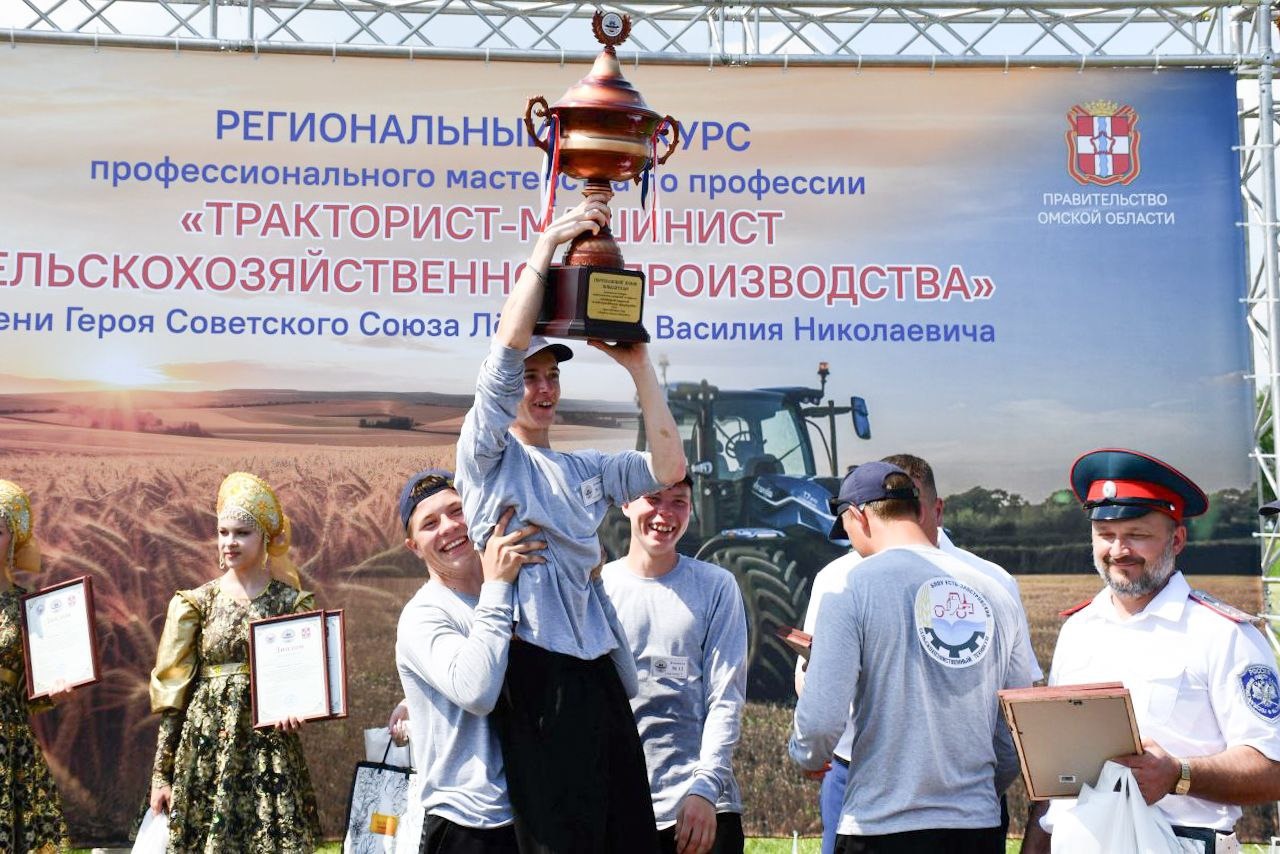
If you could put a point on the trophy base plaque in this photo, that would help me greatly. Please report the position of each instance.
(593, 302)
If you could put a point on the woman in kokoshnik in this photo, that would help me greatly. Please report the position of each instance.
(227, 786)
(30, 810)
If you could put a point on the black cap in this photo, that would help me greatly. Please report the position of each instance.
(421, 486)
(866, 484)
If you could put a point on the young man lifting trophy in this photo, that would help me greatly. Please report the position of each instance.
(573, 766)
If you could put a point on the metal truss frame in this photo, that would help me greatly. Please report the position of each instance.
(1081, 34)
(1111, 33)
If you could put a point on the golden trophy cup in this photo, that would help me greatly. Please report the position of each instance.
(601, 131)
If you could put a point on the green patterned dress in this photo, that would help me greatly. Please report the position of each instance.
(30, 810)
(234, 788)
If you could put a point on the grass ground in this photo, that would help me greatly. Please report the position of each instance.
(762, 845)
(812, 845)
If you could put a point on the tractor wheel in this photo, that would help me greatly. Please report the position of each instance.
(775, 592)
(615, 534)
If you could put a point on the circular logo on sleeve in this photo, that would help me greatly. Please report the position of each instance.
(953, 622)
(1261, 690)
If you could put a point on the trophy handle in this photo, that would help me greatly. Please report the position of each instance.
(672, 143)
(528, 120)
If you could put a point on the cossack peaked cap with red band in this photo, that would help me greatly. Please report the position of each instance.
(1114, 483)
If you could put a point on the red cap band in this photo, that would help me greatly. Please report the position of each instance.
(1171, 503)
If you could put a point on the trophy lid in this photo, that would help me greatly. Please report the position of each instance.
(605, 87)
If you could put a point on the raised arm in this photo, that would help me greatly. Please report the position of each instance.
(520, 311)
(659, 424)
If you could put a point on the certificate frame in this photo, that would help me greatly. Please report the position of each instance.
(1065, 733)
(77, 595)
(801, 643)
(335, 627)
(308, 665)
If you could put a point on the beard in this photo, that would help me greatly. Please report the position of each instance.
(1149, 581)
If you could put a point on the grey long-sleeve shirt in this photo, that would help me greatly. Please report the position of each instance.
(451, 653)
(688, 633)
(918, 643)
(565, 494)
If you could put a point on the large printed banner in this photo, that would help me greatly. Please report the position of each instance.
(294, 264)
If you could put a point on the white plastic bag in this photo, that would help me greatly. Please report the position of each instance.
(1111, 817)
(153, 834)
(376, 743)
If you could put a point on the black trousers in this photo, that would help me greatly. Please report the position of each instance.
(441, 836)
(1206, 839)
(575, 769)
(986, 840)
(729, 838)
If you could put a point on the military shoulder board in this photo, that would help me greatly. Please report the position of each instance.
(1080, 606)
(1213, 603)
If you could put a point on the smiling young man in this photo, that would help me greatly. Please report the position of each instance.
(1203, 682)
(574, 765)
(451, 653)
(688, 633)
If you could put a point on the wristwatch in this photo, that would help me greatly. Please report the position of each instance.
(1184, 779)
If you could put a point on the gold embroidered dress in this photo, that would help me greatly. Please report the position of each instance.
(235, 789)
(30, 810)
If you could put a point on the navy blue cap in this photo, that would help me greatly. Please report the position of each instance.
(863, 485)
(1115, 483)
(537, 344)
(421, 486)
(1271, 508)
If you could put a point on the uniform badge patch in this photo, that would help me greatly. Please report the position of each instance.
(670, 667)
(1261, 690)
(953, 622)
(591, 491)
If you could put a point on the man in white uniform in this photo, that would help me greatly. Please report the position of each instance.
(1204, 685)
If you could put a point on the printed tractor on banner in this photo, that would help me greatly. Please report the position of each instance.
(760, 509)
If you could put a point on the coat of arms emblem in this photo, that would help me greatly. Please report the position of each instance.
(1102, 143)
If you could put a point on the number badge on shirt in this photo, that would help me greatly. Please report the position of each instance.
(671, 667)
(591, 491)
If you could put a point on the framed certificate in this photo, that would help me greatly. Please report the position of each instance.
(58, 639)
(289, 668)
(1064, 734)
(335, 634)
(801, 643)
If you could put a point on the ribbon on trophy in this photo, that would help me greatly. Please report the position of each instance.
(550, 170)
(650, 176)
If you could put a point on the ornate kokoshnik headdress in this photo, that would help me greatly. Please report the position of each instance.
(251, 499)
(15, 510)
